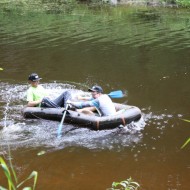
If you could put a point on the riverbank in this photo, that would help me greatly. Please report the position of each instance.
(157, 3)
(60, 6)
(152, 3)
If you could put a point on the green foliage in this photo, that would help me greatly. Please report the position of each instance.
(184, 3)
(62, 6)
(47, 6)
(128, 184)
(12, 181)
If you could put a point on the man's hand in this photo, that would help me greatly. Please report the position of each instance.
(34, 103)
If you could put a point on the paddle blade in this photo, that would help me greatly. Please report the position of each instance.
(116, 94)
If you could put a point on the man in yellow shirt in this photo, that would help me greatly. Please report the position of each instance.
(36, 95)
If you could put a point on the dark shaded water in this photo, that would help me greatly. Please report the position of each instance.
(118, 49)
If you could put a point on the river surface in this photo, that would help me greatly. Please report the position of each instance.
(143, 52)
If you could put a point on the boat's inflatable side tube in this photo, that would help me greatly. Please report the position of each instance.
(125, 115)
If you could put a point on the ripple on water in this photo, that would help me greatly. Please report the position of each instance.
(42, 31)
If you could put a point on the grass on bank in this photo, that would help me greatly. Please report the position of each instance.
(47, 6)
(62, 6)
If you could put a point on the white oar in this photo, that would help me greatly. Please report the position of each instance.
(62, 120)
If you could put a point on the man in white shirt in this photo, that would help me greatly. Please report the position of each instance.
(99, 101)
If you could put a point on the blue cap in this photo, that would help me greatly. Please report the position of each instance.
(96, 89)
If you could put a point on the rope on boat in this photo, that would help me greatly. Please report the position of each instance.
(123, 120)
(97, 125)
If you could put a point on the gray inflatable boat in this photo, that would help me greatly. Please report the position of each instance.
(125, 115)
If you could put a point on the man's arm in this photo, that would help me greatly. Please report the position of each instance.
(80, 105)
(34, 103)
(86, 97)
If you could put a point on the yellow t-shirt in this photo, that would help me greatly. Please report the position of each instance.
(36, 93)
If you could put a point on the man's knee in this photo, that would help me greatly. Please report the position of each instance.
(46, 102)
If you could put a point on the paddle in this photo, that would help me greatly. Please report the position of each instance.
(116, 94)
(62, 120)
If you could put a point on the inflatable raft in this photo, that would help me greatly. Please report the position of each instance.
(125, 115)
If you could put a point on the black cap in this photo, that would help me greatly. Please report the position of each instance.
(96, 89)
(34, 77)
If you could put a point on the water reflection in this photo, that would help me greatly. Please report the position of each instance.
(41, 30)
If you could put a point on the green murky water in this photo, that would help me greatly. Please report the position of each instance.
(145, 52)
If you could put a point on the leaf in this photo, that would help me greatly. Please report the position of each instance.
(34, 175)
(188, 141)
(7, 173)
(128, 184)
(1, 69)
(123, 184)
(115, 184)
(186, 120)
(41, 153)
(135, 183)
(11, 165)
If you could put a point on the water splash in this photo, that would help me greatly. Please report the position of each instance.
(39, 132)
(43, 133)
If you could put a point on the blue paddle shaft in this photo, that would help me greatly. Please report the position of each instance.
(62, 120)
